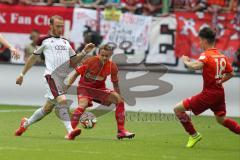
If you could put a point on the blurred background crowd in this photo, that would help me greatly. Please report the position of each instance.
(141, 7)
(144, 7)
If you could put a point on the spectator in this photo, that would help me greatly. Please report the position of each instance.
(133, 6)
(5, 54)
(152, 7)
(92, 4)
(188, 5)
(68, 3)
(111, 3)
(234, 5)
(215, 6)
(90, 37)
(112, 12)
(236, 61)
(11, 2)
(31, 47)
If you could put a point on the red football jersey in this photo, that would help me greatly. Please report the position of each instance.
(94, 73)
(215, 66)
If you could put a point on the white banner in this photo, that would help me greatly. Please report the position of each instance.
(161, 41)
(81, 18)
(130, 28)
(129, 35)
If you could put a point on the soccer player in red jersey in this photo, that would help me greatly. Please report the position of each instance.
(91, 87)
(216, 70)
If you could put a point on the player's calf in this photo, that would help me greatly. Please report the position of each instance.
(76, 116)
(228, 123)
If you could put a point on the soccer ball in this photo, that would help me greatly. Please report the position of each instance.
(88, 120)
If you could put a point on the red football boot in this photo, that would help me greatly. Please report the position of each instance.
(71, 136)
(125, 134)
(21, 129)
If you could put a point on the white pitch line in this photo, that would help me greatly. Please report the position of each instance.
(42, 150)
(16, 110)
(168, 157)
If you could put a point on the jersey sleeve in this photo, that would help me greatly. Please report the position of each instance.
(41, 45)
(114, 72)
(72, 53)
(203, 58)
(81, 69)
(39, 50)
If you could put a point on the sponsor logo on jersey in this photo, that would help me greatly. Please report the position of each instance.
(60, 47)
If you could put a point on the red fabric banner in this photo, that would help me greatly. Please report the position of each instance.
(23, 19)
(189, 24)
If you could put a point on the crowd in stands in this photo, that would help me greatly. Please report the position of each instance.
(146, 7)
(116, 7)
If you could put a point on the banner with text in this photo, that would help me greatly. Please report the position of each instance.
(227, 27)
(143, 39)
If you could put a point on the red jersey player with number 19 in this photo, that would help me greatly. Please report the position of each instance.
(91, 87)
(216, 70)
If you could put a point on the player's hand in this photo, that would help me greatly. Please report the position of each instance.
(19, 80)
(219, 81)
(185, 58)
(89, 47)
(15, 53)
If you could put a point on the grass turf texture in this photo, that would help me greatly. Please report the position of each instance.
(157, 140)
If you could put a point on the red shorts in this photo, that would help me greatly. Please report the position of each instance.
(99, 95)
(206, 100)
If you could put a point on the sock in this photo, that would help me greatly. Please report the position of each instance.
(120, 116)
(186, 122)
(64, 115)
(76, 116)
(37, 115)
(232, 125)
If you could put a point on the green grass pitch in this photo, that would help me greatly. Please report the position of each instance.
(158, 140)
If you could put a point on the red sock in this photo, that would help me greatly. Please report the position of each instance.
(232, 125)
(76, 116)
(120, 116)
(186, 122)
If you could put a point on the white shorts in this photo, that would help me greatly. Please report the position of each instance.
(55, 86)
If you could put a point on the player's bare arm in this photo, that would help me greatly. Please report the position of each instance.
(30, 62)
(72, 79)
(15, 53)
(78, 58)
(116, 87)
(196, 65)
(227, 76)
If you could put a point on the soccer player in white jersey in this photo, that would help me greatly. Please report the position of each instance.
(57, 52)
(14, 51)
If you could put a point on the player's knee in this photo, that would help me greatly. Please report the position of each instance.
(176, 110)
(83, 106)
(118, 99)
(115, 98)
(179, 107)
(83, 103)
(63, 102)
(47, 110)
(220, 120)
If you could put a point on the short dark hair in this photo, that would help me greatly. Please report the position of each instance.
(35, 31)
(208, 33)
(106, 47)
(55, 17)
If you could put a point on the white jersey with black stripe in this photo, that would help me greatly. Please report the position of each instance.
(57, 52)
